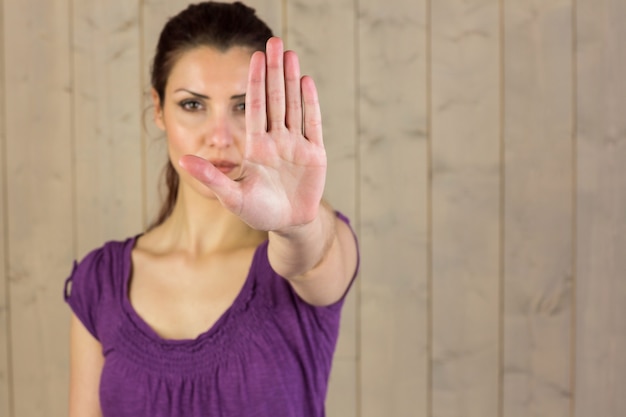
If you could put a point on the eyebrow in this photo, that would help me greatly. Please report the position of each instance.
(235, 97)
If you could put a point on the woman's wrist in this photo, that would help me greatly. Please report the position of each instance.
(296, 250)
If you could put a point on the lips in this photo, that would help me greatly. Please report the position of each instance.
(225, 167)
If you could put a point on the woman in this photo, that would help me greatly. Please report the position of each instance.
(229, 305)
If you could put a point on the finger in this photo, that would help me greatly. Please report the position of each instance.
(312, 113)
(256, 113)
(293, 95)
(275, 84)
(225, 189)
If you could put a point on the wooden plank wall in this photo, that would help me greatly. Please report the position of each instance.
(5, 375)
(39, 207)
(479, 147)
(601, 205)
(538, 94)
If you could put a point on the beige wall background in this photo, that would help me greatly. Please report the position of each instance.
(478, 145)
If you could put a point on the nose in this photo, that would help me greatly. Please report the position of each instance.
(220, 134)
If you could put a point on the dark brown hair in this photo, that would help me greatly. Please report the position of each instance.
(213, 24)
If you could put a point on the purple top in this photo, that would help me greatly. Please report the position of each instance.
(268, 355)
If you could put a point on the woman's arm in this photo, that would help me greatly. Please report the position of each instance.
(86, 363)
(319, 258)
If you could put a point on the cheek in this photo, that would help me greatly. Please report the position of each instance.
(179, 121)
(239, 132)
(182, 132)
(176, 143)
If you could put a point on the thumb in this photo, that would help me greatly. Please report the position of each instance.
(225, 189)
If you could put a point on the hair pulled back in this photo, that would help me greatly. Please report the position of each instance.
(214, 24)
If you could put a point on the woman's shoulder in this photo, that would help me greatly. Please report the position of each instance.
(109, 254)
(98, 277)
(103, 265)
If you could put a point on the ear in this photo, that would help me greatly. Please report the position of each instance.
(158, 110)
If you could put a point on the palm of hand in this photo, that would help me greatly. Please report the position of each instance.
(284, 165)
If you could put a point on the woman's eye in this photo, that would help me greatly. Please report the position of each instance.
(241, 107)
(191, 105)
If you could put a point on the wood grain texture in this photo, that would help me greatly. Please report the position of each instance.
(5, 335)
(272, 12)
(466, 204)
(39, 192)
(538, 217)
(601, 229)
(329, 56)
(107, 127)
(342, 395)
(393, 179)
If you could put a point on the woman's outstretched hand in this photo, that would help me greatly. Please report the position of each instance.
(284, 163)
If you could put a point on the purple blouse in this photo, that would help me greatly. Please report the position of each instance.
(268, 355)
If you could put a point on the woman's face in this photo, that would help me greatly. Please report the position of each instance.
(203, 111)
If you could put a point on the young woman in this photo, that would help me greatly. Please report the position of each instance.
(229, 304)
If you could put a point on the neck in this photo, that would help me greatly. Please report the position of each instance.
(199, 225)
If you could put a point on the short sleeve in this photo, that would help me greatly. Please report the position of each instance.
(83, 292)
(281, 286)
(337, 305)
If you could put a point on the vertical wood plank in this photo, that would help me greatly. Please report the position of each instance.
(601, 229)
(466, 207)
(328, 55)
(107, 121)
(5, 374)
(394, 173)
(271, 12)
(538, 208)
(39, 192)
